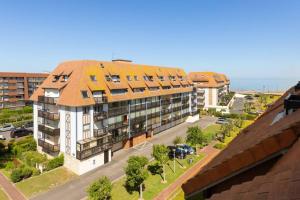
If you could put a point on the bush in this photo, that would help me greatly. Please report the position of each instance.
(9, 166)
(155, 168)
(35, 172)
(16, 175)
(20, 173)
(31, 158)
(220, 146)
(55, 162)
(100, 189)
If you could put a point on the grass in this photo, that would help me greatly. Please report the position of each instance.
(234, 133)
(3, 195)
(153, 185)
(32, 186)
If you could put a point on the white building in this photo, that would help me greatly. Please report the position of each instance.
(89, 109)
(211, 87)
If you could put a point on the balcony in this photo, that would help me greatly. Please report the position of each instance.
(153, 115)
(100, 100)
(138, 107)
(100, 132)
(138, 119)
(47, 147)
(117, 111)
(153, 104)
(117, 125)
(48, 115)
(47, 100)
(48, 130)
(93, 146)
(98, 116)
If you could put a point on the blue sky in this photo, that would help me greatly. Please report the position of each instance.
(245, 38)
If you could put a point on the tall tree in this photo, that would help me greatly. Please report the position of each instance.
(161, 155)
(100, 189)
(136, 173)
(194, 136)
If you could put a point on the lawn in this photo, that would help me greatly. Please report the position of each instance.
(212, 129)
(3, 196)
(153, 185)
(32, 186)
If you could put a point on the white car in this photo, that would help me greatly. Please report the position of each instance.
(6, 127)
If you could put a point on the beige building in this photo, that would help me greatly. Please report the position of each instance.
(210, 87)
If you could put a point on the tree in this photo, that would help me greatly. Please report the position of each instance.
(136, 174)
(262, 99)
(239, 122)
(194, 136)
(161, 155)
(100, 189)
(178, 140)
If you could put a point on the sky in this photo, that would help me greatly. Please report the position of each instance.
(242, 38)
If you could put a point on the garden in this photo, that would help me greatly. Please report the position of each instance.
(17, 118)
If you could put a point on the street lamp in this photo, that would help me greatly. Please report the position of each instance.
(174, 159)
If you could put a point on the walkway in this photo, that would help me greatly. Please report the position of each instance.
(10, 189)
(210, 154)
(75, 189)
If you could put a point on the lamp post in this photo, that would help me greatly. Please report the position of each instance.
(174, 159)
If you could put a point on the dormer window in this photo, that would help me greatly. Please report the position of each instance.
(161, 78)
(84, 94)
(93, 78)
(172, 78)
(56, 78)
(65, 77)
(180, 78)
(107, 78)
(115, 78)
(148, 78)
(128, 78)
(136, 78)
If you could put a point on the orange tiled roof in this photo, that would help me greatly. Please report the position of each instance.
(79, 79)
(208, 79)
(258, 141)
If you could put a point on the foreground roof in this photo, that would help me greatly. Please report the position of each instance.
(209, 79)
(273, 132)
(79, 74)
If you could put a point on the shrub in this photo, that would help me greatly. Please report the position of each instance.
(55, 162)
(35, 172)
(26, 172)
(16, 175)
(220, 146)
(31, 158)
(100, 189)
(178, 140)
(155, 168)
(9, 166)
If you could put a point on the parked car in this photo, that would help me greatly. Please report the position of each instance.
(2, 137)
(188, 149)
(179, 152)
(20, 132)
(7, 127)
(222, 121)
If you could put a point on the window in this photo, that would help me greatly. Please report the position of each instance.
(86, 110)
(56, 78)
(115, 78)
(161, 78)
(136, 78)
(107, 78)
(128, 78)
(148, 78)
(65, 77)
(93, 78)
(84, 94)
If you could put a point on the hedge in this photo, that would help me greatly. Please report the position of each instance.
(55, 162)
(20, 173)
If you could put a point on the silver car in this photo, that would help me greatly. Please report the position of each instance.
(7, 127)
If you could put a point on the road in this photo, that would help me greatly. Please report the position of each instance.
(238, 105)
(75, 189)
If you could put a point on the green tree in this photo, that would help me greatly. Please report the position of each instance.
(178, 140)
(239, 122)
(161, 155)
(194, 136)
(136, 174)
(100, 189)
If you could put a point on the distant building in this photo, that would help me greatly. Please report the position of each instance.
(90, 109)
(16, 88)
(262, 162)
(211, 87)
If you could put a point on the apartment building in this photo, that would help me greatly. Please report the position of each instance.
(210, 87)
(16, 88)
(262, 162)
(89, 109)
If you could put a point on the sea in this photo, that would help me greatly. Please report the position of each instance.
(262, 84)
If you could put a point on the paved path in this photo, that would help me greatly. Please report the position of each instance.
(210, 154)
(10, 189)
(75, 189)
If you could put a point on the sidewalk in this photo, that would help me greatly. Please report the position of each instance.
(169, 191)
(10, 189)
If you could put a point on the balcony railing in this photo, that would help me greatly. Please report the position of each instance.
(117, 111)
(47, 147)
(48, 115)
(117, 125)
(153, 104)
(138, 107)
(86, 149)
(138, 119)
(100, 100)
(100, 132)
(98, 116)
(48, 130)
(47, 100)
